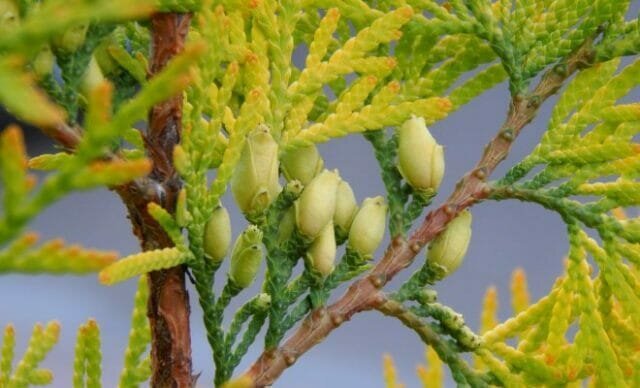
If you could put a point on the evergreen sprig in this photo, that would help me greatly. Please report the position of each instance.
(81, 72)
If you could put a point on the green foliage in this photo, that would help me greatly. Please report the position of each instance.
(82, 77)
(91, 165)
(588, 142)
(141, 263)
(51, 257)
(87, 369)
(86, 364)
(135, 371)
(26, 371)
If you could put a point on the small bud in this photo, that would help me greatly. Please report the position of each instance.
(317, 203)
(72, 39)
(302, 163)
(420, 157)
(183, 217)
(322, 253)
(346, 209)
(263, 301)
(287, 225)
(449, 248)
(427, 295)
(92, 77)
(42, 64)
(254, 183)
(294, 188)
(246, 256)
(217, 234)
(367, 230)
(9, 17)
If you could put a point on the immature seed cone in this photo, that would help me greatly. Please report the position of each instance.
(42, 64)
(322, 253)
(449, 248)
(217, 234)
(72, 39)
(92, 77)
(317, 204)
(420, 157)
(367, 229)
(9, 16)
(254, 183)
(302, 163)
(246, 256)
(346, 209)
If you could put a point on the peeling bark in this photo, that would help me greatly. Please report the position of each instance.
(168, 307)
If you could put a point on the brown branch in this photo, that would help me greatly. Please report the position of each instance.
(363, 294)
(168, 307)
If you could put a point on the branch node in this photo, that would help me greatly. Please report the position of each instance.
(534, 101)
(337, 319)
(290, 359)
(376, 280)
(485, 191)
(415, 248)
(449, 210)
(507, 134)
(480, 173)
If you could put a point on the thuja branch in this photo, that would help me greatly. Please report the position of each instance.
(363, 294)
(463, 374)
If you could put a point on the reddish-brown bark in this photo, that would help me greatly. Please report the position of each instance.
(168, 308)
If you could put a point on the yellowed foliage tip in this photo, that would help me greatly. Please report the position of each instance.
(240, 382)
(390, 374)
(520, 298)
(431, 375)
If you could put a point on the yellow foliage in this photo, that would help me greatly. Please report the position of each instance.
(240, 382)
(519, 291)
(430, 373)
(390, 374)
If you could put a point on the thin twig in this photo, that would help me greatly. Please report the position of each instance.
(464, 374)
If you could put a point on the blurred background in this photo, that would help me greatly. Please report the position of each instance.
(506, 235)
